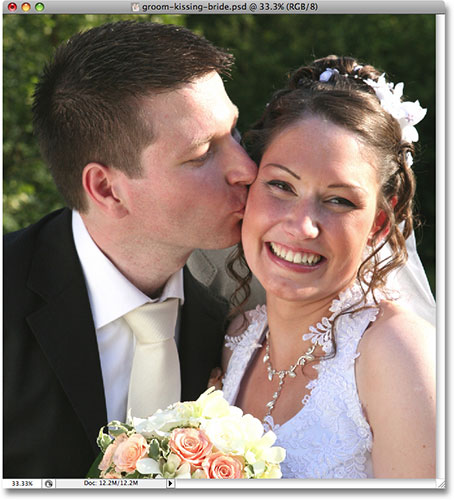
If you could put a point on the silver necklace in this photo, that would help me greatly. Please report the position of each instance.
(282, 374)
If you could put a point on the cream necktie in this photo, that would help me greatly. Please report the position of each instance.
(155, 375)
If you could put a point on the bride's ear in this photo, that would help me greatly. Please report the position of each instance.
(102, 188)
(380, 229)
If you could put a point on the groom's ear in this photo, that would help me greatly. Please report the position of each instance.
(102, 187)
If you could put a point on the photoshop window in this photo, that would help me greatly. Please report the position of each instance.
(276, 80)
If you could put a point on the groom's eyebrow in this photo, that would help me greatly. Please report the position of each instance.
(200, 142)
(194, 146)
(196, 143)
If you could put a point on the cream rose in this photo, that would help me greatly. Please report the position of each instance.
(191, 445)
(221, 466)
(129, 451)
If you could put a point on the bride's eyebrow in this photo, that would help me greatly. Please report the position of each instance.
(346, 186)
(283, 168)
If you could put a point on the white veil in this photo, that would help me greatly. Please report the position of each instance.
(410, 281)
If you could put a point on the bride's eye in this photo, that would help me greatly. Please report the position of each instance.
(341, 202)
(280, 186)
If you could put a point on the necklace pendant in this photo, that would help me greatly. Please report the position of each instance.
(291, 372)
(309, 356)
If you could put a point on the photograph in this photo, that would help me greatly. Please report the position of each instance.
(219, 255)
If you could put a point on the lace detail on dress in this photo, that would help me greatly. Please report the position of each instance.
(321, 334)
(255, 315)
(243, 346)
(330, 436)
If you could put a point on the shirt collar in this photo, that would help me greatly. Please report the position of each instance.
(110, 293)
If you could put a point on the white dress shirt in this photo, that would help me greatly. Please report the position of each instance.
(111, 296)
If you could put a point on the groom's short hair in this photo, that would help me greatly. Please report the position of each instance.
(88, 103)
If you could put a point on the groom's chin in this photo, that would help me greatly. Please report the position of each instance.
(225, 240)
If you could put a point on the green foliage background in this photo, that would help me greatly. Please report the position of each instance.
(266, 48)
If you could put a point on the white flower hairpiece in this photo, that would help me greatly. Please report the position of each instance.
(407, 113)
(327, 74)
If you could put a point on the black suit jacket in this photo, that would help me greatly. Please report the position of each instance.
(53, 394)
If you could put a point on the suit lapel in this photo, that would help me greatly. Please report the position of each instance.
(63, 326)
(201, 336)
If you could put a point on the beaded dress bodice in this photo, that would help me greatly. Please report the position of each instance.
(330, 436)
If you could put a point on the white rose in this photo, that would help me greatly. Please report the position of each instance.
(161, 422)
(226, 434)
(211, 404)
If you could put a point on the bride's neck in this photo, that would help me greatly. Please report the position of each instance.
(289, 320)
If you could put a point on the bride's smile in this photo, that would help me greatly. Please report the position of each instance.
(301, 256)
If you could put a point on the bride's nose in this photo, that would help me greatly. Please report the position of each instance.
(302, 222)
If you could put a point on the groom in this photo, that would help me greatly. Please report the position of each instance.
(139, 134)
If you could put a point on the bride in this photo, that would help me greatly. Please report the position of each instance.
(343, 374)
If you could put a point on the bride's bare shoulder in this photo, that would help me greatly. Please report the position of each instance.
(395, 323)
(395, 376)
(398, 345)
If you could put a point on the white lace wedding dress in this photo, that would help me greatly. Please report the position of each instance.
(330, 436)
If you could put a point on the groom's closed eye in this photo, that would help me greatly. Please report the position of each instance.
(201, 159)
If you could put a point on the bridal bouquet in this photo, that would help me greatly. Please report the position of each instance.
(204, 439)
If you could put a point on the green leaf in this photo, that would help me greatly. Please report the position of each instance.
(116, 428)
(165, 447)
(103, 440)
(155, 450)
(94, 472)
(134, 475)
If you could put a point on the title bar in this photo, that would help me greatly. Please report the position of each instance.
(224, 7)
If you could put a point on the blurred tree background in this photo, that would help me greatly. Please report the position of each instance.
(266, 47)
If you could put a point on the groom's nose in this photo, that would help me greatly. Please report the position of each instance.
(240, 169)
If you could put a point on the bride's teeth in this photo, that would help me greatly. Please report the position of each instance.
(294, 257)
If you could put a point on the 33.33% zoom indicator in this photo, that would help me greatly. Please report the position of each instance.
(288, 6)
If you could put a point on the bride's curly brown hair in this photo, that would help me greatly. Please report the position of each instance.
(347, 101)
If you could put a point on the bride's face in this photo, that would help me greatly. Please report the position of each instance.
(310, 211)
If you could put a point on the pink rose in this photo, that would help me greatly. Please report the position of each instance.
(129, 451)
(191, 445)
(108, 455)
(220, 466)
